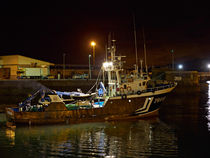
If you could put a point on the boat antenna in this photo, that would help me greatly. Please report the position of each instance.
(136, 50)
(145, 51)
(109, 47)
(106, 49)
(141, 70)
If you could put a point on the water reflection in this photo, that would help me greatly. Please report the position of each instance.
(141, 138)
(208, 106)
(10, 134)
(183, 133)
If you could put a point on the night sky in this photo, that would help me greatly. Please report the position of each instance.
(47, 30)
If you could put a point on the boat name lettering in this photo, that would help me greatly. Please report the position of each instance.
(160, 99)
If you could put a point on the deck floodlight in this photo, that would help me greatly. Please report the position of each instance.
(108, 66)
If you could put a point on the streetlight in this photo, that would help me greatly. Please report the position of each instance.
(89, 67)
(208, 66)
(180, 66)
(172, 54)
(93, 44)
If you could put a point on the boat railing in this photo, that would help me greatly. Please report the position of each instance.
(161, 87)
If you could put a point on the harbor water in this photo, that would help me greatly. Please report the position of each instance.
(181, 130)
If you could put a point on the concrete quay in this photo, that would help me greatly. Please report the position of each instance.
(14, 91)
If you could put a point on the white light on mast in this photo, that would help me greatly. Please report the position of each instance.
(108, 66)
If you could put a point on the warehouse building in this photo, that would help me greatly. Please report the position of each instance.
(18, 66)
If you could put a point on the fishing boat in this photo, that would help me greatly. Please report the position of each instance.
(136, 96)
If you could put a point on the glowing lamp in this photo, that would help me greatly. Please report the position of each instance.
(108, 66)
(180, 66)
(93, 43)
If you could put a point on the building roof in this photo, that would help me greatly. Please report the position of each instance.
(21, 60)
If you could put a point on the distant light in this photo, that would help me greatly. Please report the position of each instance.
(180, 66)
(93, 43)
(89, 55)
(208, 66)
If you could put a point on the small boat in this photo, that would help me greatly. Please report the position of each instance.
(135, 97)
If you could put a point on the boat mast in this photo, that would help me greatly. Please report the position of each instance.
(115, 59)
(136, 50)
(108, 66)
(113, 66)
(141, 70)
(145, 55)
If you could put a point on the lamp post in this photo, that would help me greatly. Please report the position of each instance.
(64, 55)
(172, 54)
(93, 44)
(89, 67)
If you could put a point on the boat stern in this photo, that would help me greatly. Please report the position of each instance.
(10, 114)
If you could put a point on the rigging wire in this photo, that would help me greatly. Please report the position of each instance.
(96, 83)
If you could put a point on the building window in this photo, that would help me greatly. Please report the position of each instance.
(125, 86)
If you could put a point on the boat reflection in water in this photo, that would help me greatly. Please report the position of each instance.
(113, 139)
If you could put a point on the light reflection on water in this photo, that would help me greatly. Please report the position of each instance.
(10, 134)
(116, 139)
(208, 106)
(184, 131)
